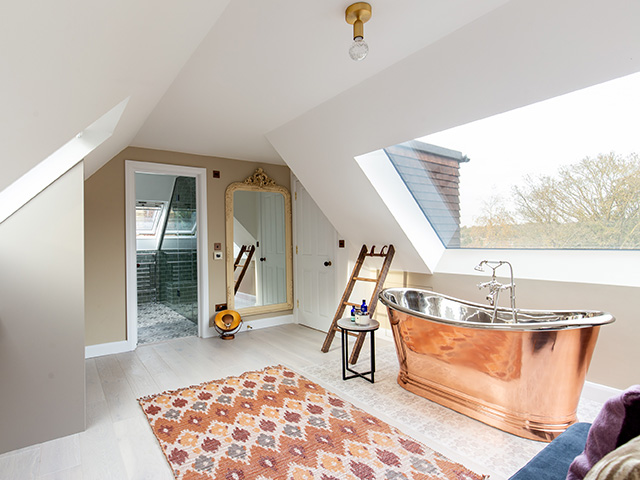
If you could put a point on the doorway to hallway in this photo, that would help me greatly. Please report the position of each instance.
(166, 257)
(167, 294)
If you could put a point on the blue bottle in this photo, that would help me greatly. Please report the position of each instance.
(363, 308)
(353, 314)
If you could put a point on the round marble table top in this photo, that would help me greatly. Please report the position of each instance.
(347, 324)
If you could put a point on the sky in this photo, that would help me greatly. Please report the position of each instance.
(538, 138)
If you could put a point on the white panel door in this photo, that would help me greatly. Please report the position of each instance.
(315, 271)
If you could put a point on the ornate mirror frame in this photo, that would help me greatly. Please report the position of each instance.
(258, 182)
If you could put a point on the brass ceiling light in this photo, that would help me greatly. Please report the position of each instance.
(357, 15)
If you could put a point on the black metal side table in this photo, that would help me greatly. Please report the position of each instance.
(346, 326)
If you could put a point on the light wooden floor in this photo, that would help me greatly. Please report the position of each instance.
(118, 443)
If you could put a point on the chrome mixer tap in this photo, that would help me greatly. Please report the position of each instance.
(495, 287)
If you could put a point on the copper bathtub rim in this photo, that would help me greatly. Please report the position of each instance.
(598, 318)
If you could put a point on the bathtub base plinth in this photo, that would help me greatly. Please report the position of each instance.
(493, 415)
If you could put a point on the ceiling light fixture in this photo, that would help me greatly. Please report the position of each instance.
(357, 15)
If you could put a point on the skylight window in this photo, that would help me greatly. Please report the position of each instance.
(559, 174)
(182, 222)
(148, 216)
(43, 174)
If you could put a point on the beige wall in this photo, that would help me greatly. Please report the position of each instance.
(42, 378)
(617, 350)
(105, 301)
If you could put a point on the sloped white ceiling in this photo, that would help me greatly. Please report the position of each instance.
(271, 80)
(66, 63)
(203, 76)
(267, 62)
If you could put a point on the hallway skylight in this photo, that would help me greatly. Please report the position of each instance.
(148, 215)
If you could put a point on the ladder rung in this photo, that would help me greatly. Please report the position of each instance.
(387, 253)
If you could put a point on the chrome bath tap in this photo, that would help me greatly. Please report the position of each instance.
(495, 287)
(494, 290)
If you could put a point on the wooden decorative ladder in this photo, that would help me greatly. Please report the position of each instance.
(344, 302)
(249, 250)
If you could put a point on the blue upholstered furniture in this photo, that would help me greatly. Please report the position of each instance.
(553, 460)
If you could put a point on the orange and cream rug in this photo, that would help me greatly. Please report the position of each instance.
(276, 424)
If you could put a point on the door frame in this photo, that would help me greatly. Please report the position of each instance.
(200, 174)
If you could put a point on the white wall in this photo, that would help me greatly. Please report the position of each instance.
(598, 267)
(42, 380)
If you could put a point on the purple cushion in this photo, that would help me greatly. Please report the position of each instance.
(616, 424)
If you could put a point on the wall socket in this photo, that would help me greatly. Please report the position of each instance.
(217, 255)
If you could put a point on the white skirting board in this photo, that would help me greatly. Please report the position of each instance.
(91, 351)
(102, 349)
(266, 322)
(599, 393)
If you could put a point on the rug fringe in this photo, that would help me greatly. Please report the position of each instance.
(209, 382)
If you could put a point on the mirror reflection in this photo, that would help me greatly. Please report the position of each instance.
(258, 226)
(258, 247)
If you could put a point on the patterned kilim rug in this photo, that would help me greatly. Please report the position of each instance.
(276, 424)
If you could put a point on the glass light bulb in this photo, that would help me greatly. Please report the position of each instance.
(358, 49)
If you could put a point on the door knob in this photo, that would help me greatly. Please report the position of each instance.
(262, 259)
(327, 263)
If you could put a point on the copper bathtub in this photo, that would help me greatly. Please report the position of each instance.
(524, 378)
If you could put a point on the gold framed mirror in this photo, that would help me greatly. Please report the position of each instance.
(258, 246)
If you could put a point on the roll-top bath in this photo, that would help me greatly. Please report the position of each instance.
(522, 373)
(440, 308)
